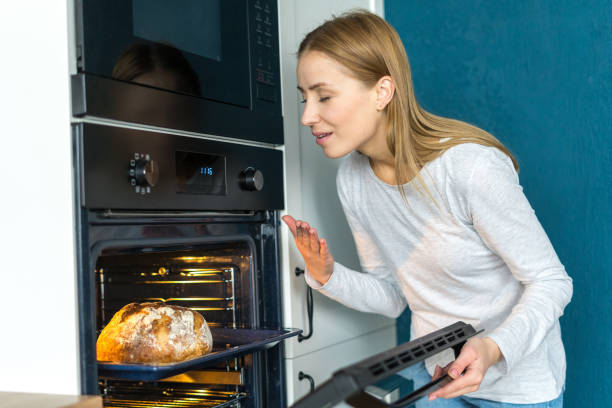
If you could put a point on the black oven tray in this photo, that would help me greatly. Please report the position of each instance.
(348, 383)
(227, 343)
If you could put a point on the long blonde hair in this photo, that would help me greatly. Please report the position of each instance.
(371, 48)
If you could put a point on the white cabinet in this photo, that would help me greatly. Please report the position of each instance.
(341, 335)
(321, 364)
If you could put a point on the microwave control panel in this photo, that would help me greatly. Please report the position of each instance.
(264, 46)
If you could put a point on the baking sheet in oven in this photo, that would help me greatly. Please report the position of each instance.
(227, 343)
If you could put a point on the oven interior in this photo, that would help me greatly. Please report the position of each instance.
(213, 279)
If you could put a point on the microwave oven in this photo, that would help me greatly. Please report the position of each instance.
(203, 66)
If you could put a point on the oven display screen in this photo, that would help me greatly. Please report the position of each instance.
(198, 173)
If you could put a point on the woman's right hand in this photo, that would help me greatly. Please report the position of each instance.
(319, 262)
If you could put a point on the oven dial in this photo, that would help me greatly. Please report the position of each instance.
(144, 172)
(251, 179)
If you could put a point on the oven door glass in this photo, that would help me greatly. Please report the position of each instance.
(196, 47)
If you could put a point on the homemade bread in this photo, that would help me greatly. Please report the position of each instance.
(154, 333)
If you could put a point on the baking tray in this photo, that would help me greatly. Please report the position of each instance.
(348, 383)
(227, 343)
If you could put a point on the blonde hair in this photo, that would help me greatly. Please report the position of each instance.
(371, 48)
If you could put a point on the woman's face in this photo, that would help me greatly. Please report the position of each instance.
(340, 110)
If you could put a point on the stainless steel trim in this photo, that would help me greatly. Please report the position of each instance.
(158, 129)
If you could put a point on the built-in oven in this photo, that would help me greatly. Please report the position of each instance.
(206, 66)
(191, 222)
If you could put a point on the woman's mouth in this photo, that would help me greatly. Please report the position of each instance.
(321, 137)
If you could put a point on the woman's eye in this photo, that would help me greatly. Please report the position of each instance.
(323, 99)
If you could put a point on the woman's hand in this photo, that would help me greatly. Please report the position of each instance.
(319, 262)
(477, 355)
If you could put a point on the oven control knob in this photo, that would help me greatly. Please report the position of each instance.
(251, 179)
(146, 173)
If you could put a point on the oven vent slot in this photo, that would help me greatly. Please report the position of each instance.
(415, 353)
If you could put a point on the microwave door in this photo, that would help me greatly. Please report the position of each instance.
(200, 48)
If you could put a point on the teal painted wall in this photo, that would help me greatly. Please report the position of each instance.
(538, 75)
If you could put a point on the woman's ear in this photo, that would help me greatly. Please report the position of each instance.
(385, 89)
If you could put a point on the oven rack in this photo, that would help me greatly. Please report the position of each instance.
(196, 398)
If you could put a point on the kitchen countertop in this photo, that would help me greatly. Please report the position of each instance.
(32, 400)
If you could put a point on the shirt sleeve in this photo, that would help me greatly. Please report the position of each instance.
(374, 290)
(507, 224)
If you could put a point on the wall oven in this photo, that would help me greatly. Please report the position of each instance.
(192, 222)
(206, 66)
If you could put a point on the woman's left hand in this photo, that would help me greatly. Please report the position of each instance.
(477, 355)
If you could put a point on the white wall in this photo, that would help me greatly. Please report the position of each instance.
(38, 335)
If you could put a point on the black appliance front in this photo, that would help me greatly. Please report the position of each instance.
(208, 66)
(128, 169)
(194, 238)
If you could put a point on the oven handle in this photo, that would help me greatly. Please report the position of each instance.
(303, 376)
(309, 308)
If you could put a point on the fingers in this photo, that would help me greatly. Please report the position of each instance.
(290, 223)
(438, 372)
(303, 232)
(466, 357)
(469, 382)
(314, 241)
(306, 237)
(325, 254)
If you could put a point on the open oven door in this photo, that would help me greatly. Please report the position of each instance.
(351, 384)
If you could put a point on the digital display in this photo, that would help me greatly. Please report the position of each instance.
(199, 173)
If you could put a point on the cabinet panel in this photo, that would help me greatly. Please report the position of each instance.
(322, 363)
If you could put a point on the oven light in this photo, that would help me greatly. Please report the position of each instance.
(201, 271)
(203, 259)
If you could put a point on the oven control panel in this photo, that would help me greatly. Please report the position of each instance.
(126, 169)
(143, 173)
(251, 179)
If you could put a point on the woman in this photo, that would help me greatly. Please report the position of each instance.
(439, 220)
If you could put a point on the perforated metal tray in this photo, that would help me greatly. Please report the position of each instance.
(348, 383)
(228, 343)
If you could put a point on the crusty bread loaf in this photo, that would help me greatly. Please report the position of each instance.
(154, 333)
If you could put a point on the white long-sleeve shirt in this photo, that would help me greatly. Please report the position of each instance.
(482, 257)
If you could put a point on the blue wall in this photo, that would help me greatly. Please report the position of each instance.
(538, 75)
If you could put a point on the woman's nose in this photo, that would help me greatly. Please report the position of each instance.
(310, 116)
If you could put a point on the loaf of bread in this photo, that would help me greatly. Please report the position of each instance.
(154, 333)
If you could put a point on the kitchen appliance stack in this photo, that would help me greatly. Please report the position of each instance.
(178, 177)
